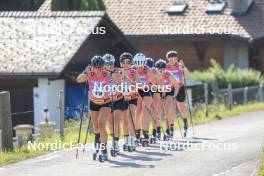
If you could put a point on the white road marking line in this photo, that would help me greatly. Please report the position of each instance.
(49, 158)
(235, 167)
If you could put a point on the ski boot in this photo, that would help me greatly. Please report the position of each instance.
(166, 136)
(171, 132)
(153, 139)
(103, 156)
(145, 142)
(96, 150)
(185, 127)
(141, 140)
(131, 144)
(158, 137)
(185, 133)
(96, 145)
(137, 142)
(125, 145)
(115, 149)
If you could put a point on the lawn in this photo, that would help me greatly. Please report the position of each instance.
(261, 171)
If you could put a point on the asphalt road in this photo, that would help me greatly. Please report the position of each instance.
(239, 140)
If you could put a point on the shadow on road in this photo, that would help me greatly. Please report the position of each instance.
(160, 153)
(118, 164)
(205, 139)
(142, 158)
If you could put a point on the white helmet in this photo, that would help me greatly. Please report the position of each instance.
(139, 60)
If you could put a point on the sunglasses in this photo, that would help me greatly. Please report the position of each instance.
(126, 62)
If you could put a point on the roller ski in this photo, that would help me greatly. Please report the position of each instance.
(103, 156)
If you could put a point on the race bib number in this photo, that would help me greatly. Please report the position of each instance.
(98, 91)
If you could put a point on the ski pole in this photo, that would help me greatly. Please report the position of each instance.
(113, 118)
(186, 94)
(87, 132)
(132, 120)
(80, 129)
(89, 121)
(149, 112)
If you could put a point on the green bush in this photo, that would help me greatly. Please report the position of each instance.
(237, 77)
(77, 5)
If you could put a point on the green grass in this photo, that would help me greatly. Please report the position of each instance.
(71, 132)
(261, 171)
(18, 154)
(221, 112)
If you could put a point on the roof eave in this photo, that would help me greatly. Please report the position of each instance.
(31, 75)
(188, 37)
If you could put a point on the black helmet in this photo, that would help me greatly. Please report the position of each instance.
(125, 56)
(160, 64)
(109, 59)
(150, 62)
(171, 54)
(97, 61)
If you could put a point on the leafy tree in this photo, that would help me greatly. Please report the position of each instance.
(78, 5)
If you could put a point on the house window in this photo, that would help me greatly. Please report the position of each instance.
(216, 6)
(236, 54)
(177, 7)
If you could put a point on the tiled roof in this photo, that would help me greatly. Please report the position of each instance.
(39, 43)
(148, 17)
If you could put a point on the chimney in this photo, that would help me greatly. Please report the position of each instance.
(240, 7)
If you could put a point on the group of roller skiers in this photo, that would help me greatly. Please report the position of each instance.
(141, 101)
